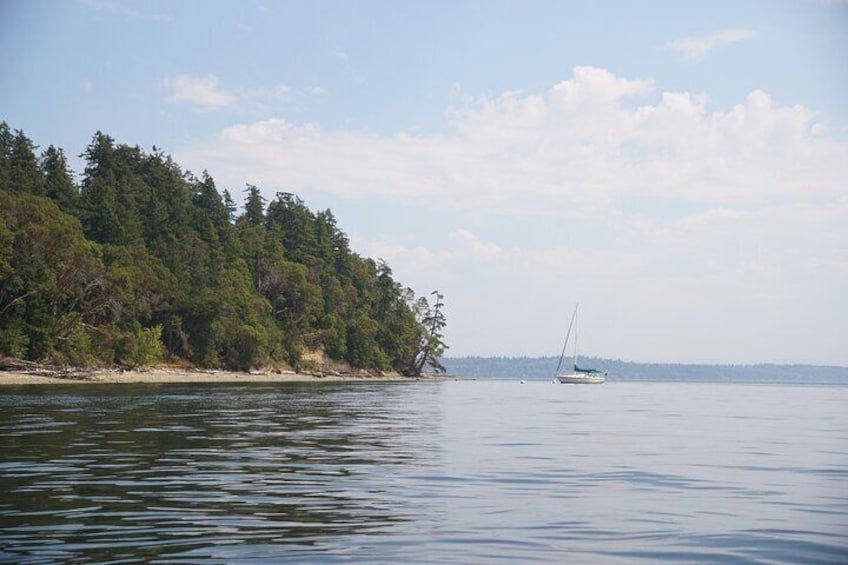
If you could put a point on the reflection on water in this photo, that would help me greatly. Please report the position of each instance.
(146, 471)
(423, 472)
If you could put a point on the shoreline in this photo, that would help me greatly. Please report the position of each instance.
(163, 376)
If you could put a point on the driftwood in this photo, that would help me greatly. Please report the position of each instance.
(43, 369)
(13, 364)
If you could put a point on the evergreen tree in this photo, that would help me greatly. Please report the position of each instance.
(99, 200)
(58, 183)
(254, 207)
(431, 345)
(212, 215)
(23, 174)
(6, 140)
(290, 220)
(230, 206)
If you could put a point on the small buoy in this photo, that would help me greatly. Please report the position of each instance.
(522, 381)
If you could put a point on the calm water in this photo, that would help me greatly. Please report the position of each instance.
(454, 472)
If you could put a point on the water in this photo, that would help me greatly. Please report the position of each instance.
(431, 472)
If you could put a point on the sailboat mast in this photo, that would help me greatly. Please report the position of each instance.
(565, 345)
(576, 333)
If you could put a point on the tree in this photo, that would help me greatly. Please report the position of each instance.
(254, 207)
(431, 345)
(53, 279)
(207, 200)
(6, 140)
(24, 176)
(362, 348)
(58, 184)
(257, 250)
(290, 220)
(140, 286)
(230, 206)
(163, 197)
(99, 200)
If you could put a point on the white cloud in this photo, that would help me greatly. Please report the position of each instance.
(646, 206)
(476, 249)
(418, 255)
(120, 9)
(205, 94)
(281, 90)
(259, 98)
(572, 150)
(202, 92)
(698, 48)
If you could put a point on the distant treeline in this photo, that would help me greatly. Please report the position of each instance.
(544, 367)
(142, 262)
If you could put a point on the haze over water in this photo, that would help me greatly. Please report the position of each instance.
(470, 472)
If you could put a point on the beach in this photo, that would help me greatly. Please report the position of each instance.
(189, 376)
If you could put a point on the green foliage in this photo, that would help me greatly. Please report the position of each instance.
(254, 206)
(14, 341)
(6, 139)
(431, 344)
(137, 346)
(139, 286)
(58, 182)
(55, 279)
(23, 174)
(143, 262)
(363, 350)
(79, 349)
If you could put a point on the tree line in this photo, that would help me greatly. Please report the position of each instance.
(141, 262)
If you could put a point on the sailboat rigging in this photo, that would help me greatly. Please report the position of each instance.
(578, 375)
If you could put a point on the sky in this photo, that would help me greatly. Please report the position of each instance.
(680, 169)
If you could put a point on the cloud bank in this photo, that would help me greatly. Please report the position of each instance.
(682, 228)
(590, 141)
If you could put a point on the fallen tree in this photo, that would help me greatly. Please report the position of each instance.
(44, 369)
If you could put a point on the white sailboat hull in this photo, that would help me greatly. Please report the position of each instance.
(579, 376)
(579, 379)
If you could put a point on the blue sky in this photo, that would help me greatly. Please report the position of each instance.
(678, 168)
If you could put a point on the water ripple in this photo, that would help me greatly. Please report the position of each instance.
(423, 473)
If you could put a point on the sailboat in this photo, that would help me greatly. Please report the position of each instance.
(578, 375)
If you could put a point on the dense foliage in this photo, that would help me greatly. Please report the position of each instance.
(142, 262)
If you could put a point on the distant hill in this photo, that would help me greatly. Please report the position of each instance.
(543, 368)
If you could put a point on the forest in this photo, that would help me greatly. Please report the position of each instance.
(139, 263)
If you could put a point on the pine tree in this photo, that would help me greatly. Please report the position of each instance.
(6, 140)
(23, 174)
(254, 207)
(431, 345)
(58, 182)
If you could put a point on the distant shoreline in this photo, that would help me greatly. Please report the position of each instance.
(164, 376)
(543, 368)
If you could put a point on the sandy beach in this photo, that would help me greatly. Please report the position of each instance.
(187, 376)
